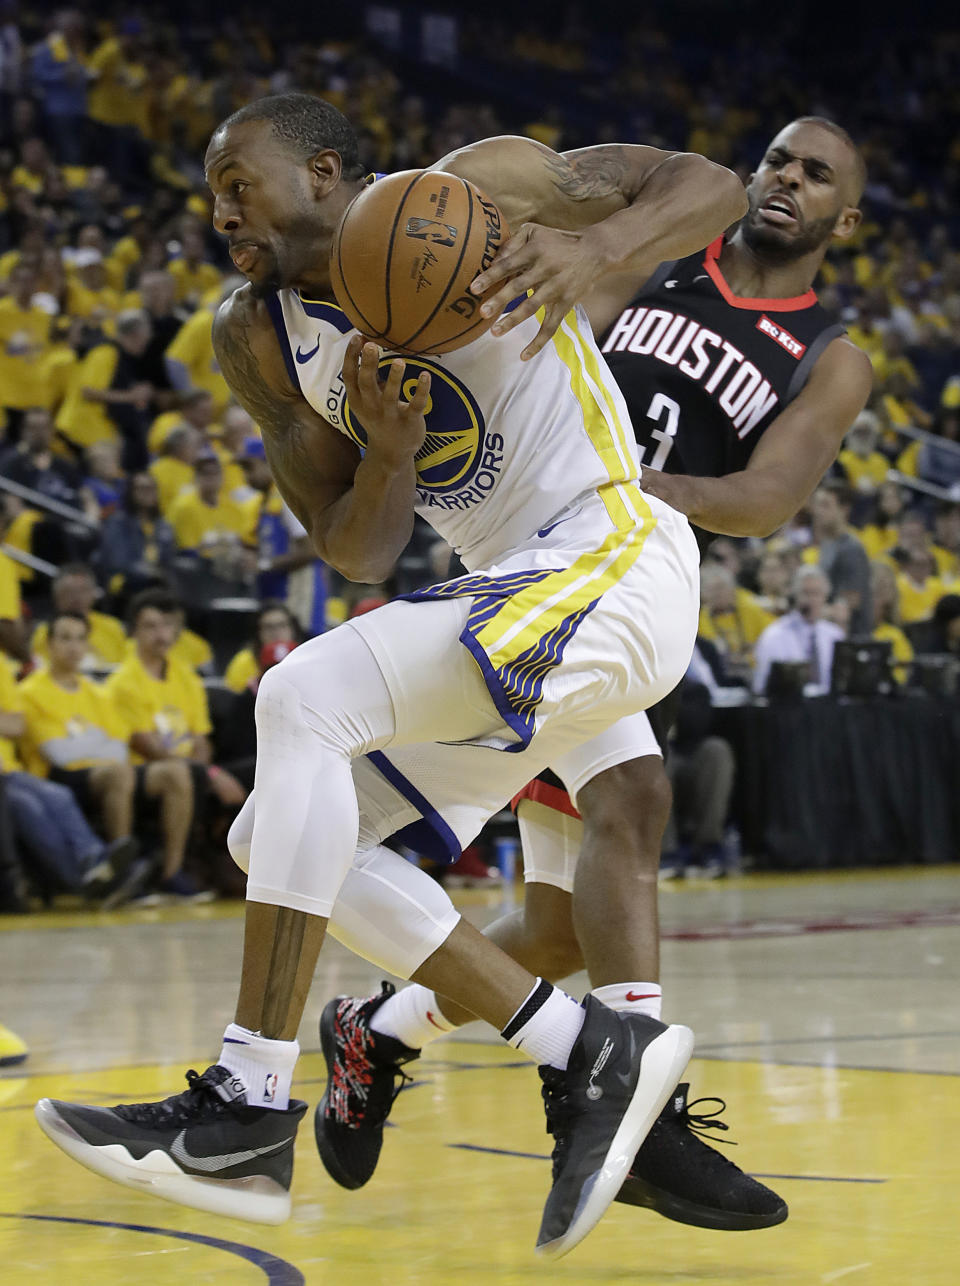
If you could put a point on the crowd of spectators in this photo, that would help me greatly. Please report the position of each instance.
(150, 537)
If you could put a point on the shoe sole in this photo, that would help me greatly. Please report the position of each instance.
(328, 1045)
(638, 1192)
(257, 1199)
(662, 1065)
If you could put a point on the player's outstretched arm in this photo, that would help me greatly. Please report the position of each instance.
(358, 512)
(578, 216)
(790, 458)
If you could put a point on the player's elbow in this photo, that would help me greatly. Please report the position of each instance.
(727, 191)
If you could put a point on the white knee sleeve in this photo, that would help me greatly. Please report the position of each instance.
(241, 833)
(391, 913)
(551, 844)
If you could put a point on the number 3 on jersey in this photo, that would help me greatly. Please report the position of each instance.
(661, 406)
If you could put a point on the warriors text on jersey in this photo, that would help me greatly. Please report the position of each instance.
(510, 445)
(705, 372)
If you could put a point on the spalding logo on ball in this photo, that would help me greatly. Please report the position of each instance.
(404, 256)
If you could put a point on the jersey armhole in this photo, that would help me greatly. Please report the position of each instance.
(809, 359)
(275, 312)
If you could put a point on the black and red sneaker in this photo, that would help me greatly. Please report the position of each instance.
(363, 1069)
(682, 1178)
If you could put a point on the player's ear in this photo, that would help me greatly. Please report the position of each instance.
(325, 170)
(847, 223)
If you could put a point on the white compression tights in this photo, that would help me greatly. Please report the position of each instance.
(325, 705)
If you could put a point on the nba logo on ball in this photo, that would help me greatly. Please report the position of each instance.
(270, 1087)
(441, 234)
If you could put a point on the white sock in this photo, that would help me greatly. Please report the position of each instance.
(632, 997)
(264, 1066)
(546, 1025)
(412, 1016)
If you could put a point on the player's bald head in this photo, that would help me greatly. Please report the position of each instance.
(846, 161)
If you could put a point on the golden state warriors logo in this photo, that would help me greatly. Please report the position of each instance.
(453, 447)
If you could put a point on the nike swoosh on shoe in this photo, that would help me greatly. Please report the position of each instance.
(223, 1160)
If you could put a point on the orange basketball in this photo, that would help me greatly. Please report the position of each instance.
(405, 254)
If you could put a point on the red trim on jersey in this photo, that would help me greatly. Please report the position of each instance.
(791, 305)
(541, 792)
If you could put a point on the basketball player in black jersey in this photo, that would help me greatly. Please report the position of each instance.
(740, 388)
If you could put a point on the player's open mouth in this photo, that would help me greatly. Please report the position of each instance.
(244, 255)
(779, 210)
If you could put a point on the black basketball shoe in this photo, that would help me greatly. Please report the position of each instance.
(622, 1069)
(682, 1178)
(363, 1079)
(204, 1148)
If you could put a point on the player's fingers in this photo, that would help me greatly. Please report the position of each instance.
(552, 317)
(421, 395)
(527, 308)
(367, 371)
(349, 372)
(512, 256)
(391, 390)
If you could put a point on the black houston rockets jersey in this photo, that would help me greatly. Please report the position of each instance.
(705, 372)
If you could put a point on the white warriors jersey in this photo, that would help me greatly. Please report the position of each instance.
(510, 445)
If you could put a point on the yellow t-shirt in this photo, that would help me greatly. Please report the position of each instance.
(160, 428)
(10, 609)
(115, 96)
(736, 631)
(901, 648)
(918, 601)
(24, 340)
(173, 477)
(57, 366)
(234, 479)
(209, 529)
(908, 459)
(193, 282)
(90, 728)
(193, 347)
(106, 642)
(878, 541)
(84, 302)
(125, 254)
(242, 668)
(871, 470)
(82, 421)
(19, 535)
(175, 706)
(11, 702)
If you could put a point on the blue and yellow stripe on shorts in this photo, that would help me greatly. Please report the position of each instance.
(520, 623)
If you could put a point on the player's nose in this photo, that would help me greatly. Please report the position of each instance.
(790, 174)
(225, 217)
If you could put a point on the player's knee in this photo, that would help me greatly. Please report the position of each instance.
(238, 841)
(626, 808)
(116, 776)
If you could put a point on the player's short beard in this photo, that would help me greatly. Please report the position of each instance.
(771, 247)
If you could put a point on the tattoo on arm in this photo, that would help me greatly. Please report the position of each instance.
(597, 172)
(231, 342)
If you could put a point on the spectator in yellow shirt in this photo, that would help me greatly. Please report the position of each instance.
(48, 822)
(75, 590)
(165, 704)
(886, 617)
(77, 733)
(864, 465)
(210, 524)
(13, 639)
(192, 272)
(881, 534)
(174, 472)
(190, 359)
(274, 623)
(730, 617)
(195, 408)
(919, 587)
(108, 396)
(88, 287)
(24, 341)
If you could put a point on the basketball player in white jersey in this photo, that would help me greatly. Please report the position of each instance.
(581, 608)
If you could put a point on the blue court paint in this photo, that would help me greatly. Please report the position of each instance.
(538, 1156)
(277, 1271)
